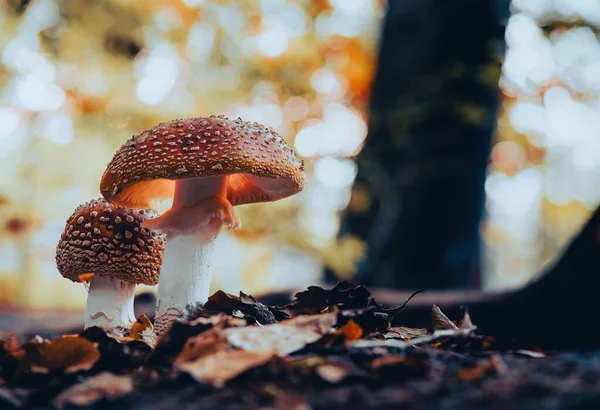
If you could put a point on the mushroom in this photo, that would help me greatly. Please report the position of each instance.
(106, 245)
(208, 166)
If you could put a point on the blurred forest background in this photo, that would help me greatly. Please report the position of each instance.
(77, 78)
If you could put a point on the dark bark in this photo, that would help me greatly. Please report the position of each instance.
(432, 116)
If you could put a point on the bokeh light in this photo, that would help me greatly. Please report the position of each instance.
(545, 167)
(78, 79)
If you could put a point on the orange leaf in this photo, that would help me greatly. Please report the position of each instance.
(351, 330)
(143, 330)
(69, 353)
(85, 277)
(139, 326)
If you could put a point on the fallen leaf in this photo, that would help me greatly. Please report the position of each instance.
(247, 299)
(224, 302)
(351, 331)
(430, 339)
(345, 294)
(202, 344)
(441, 321)
(104, 337)
(219, 320)
(143, 330)
(105, 385)
(69, 353)
(85, 277)
(282, 338)
(210, 358)
(334, 371)
(223, 363)
(142, 323)
(466, 322)
(405, 333)
(370, 319)
(172, 343)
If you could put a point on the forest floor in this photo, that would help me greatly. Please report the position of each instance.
(327, 349)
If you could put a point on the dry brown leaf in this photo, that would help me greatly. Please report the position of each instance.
(441, 321)
(207, 342)
(104, 385)
(69, 353)
(208, 357)
(351, 331)
(223, 363)
(405, 333)
(142, 323)
(218, 355)
(244, 305)
(430, 339)
(220, 319)
(143, 330)
(466, 322)
(284, 337)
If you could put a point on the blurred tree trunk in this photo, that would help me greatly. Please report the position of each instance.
(422, 170)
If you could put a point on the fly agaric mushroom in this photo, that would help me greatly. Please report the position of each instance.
(107, 243)
(207, 165)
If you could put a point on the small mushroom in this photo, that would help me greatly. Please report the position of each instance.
(208, 166)
(106, 245)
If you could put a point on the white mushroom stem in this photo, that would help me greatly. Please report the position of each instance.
(185, 278)
(199, 210)
(109, 303)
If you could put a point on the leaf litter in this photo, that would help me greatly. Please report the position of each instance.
(329, 335)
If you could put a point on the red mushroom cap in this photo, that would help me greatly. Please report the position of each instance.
(105, 239)
(260, 166)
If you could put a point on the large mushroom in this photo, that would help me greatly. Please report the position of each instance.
(106, 245)
(208, 166)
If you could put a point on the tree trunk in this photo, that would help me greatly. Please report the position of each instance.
(433, 112)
